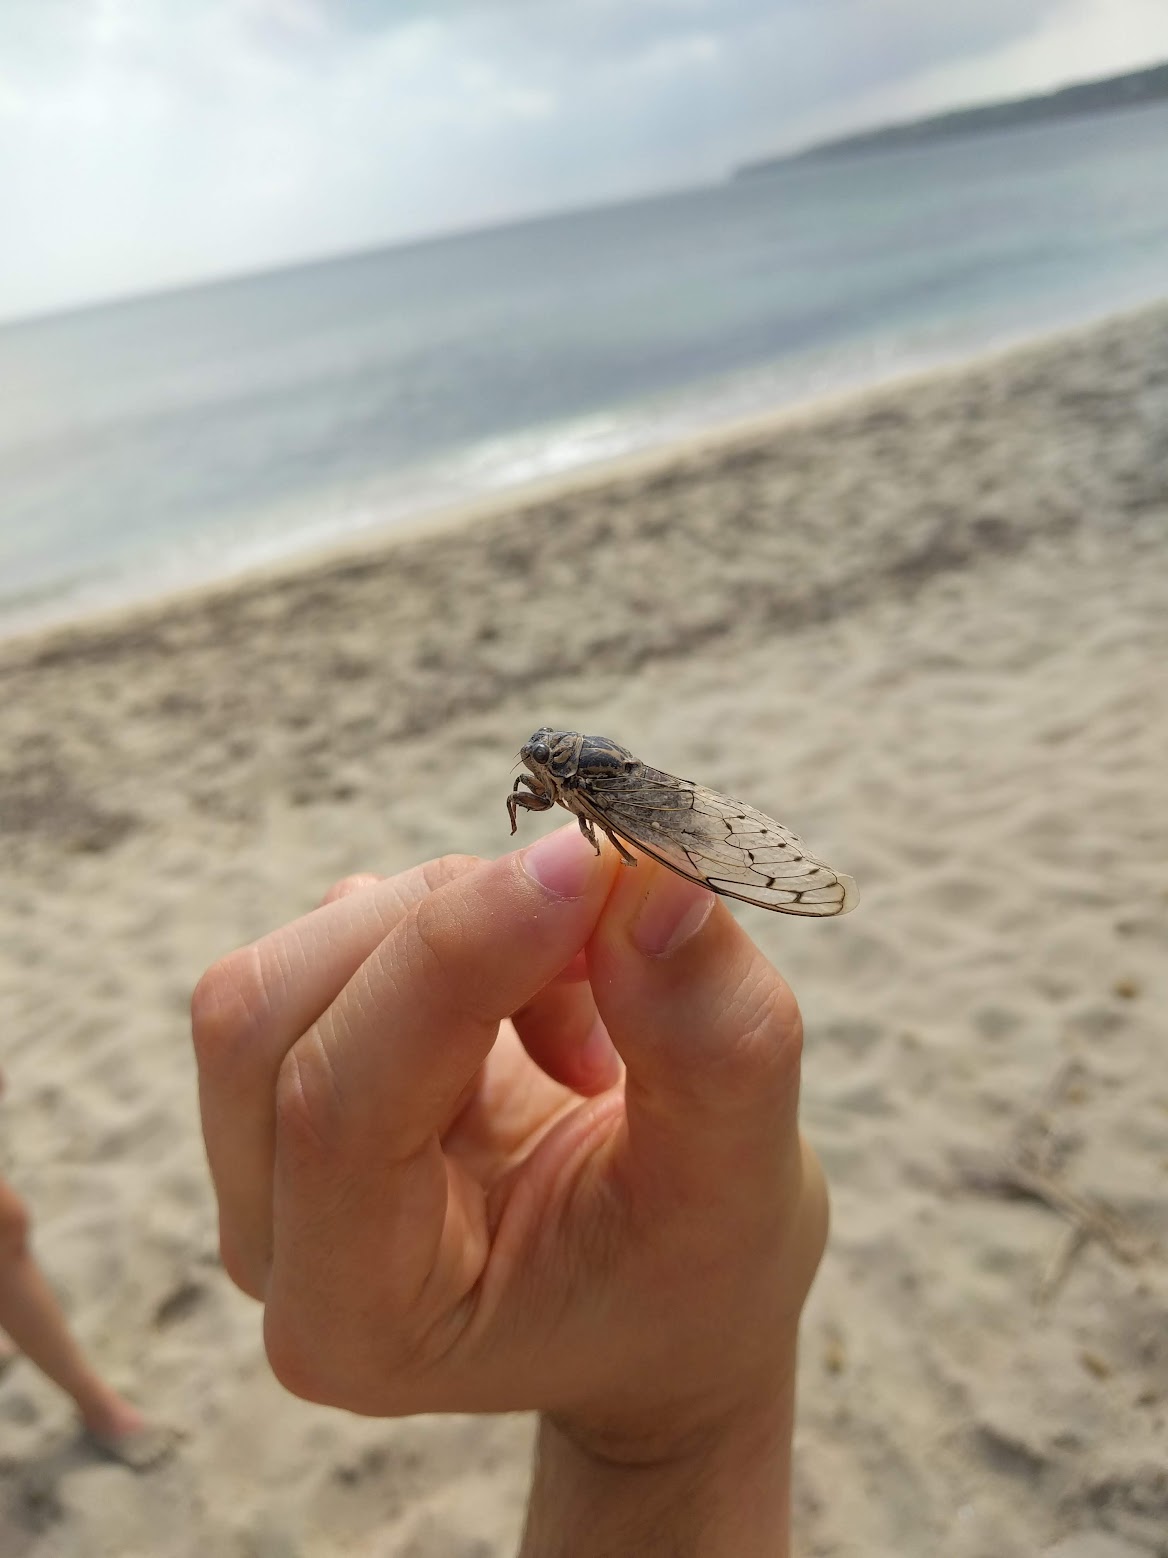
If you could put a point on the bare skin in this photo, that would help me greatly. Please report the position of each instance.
(522, 1134)
(35, 1325)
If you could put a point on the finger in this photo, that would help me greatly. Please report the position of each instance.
(350, 884)
(708, 1030)
(246, 1013)
(399, 1043)
(562, 1032)
(576, 971)
(364, 1096)
(507, 1105)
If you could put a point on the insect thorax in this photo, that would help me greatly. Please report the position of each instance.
(601, 758)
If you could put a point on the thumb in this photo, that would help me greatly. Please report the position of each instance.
(709, 1032)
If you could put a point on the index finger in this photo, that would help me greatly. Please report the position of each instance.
(381, 1069)
(366, 1205)
(248, 1010)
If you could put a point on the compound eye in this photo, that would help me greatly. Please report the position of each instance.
(540, 752)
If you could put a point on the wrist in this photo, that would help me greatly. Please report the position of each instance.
(719, 1490)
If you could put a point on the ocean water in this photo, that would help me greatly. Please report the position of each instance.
(155, 443)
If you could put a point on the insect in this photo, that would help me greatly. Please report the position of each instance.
(699, 833)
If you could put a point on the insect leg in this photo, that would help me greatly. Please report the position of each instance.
(532, 802)
(629, 860)
(588, 830)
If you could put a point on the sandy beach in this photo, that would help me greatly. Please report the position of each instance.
(927, 627)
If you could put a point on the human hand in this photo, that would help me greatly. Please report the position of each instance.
(435, 1217)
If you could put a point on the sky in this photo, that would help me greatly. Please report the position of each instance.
(151, 143)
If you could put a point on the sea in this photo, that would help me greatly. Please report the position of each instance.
(152, 444)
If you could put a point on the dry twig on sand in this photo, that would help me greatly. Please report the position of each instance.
(1031, 1167)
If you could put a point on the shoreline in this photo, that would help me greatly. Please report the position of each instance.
(752, 534)
(371, 541)
(925, 628)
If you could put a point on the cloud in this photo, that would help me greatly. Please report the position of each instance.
(144, 143)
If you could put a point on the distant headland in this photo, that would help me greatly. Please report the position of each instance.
(1133, 90)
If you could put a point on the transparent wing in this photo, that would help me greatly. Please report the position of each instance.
(722, 843)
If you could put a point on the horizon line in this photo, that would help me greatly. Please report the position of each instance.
(796, 153)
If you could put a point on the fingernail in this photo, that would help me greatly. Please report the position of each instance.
(674, 911)
(563, 863)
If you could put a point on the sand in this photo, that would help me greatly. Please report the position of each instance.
(928, 628)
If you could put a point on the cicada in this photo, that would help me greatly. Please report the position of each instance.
(724, 844)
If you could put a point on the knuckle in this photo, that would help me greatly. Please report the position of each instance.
(295, 1354)
(431, 937)
(239, 1266)
(353, 883)
(227, 1006)
(322, 1352)
(768, 1029)
(447, 868)
(436, 967)
(307, 1101)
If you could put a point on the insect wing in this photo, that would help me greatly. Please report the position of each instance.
(721, 843)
